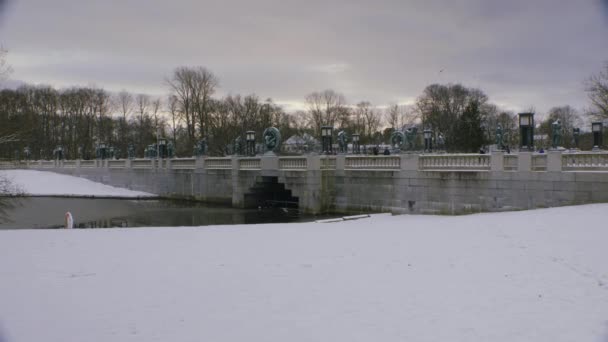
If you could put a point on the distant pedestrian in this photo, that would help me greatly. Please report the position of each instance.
(387, 152)
(375, 150)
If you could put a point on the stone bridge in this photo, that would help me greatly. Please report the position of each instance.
(406, 183)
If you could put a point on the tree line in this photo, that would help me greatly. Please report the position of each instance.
(42, 117)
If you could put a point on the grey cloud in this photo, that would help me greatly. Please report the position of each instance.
(520, 52)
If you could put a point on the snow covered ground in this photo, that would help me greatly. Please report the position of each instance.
(48, 183)
(537, 275)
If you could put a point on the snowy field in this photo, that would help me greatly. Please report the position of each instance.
(538, 275)
(48, 183)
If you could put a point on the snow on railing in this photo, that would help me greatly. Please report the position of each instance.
(218, 163)
(458, 162)
(328, 163)
(539, 162)
(249, 164)
(585, 162)
(183, 163)
(293, 163)
(141, 164)
(116, 164)
(510, 162)
(372, 162)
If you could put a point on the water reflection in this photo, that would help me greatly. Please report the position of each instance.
(48, 212)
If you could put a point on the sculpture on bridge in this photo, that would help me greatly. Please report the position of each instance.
(238, 146)
(499, 137)
(343, 142)
(556, 129)
(410, 138)
(131, 151)
(272, 139)
(441, 141)
(397, 140)
(200, 149)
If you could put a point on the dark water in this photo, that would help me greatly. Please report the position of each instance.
(48, 212)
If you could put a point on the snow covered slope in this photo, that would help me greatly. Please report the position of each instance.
(48, 183)
(521, 276)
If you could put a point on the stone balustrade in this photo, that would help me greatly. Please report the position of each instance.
(539, 162)
(117, 164)
(293, 163)
(328, 163)
(183, 163)
(457, 162)
(218, 163)
(250, 164)
(585, 161)
(536, 162)
(510, 162)
(372, 162)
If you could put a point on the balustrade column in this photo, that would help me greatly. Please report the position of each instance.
(497, 161)
(554, 161)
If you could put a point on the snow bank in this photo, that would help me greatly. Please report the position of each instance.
(48, 183)
(522, 276)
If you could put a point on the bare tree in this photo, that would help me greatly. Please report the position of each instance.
(194, 88)
(324, 108)
(124, 103)
(597, 89)
(173, 108)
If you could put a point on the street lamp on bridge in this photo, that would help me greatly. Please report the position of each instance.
(428, 140)
(597, 128)
(250, 139)
(326, 137)
(526, 131)
(356, 146)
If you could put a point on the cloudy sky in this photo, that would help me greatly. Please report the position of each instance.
(522, 53)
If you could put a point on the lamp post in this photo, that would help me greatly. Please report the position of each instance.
(597, 128)
(428, 140)
(250, 139)
(326, 136)
(356, 148)
(576, 132)
(526, 131)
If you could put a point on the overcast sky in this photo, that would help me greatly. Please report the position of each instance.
(522, 53)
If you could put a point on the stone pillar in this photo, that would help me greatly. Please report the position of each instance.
(409, 162)
(269, 165)
(340, 164)
(497, 161)
(554, 161)
(199, 163)
(313, 162)
(524, 161)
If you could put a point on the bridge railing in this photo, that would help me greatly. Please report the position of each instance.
(552, 161)
(328, 163)
(183, 163)
(250, 164)
(510, 162)
(539, 162)
(293, 163)
(220, 163)
(372, 163)
(456, 162)
(585, 161)
(117, 164)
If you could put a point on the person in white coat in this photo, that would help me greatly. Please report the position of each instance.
(69, 220)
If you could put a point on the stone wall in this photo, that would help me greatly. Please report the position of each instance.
(442, 184)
